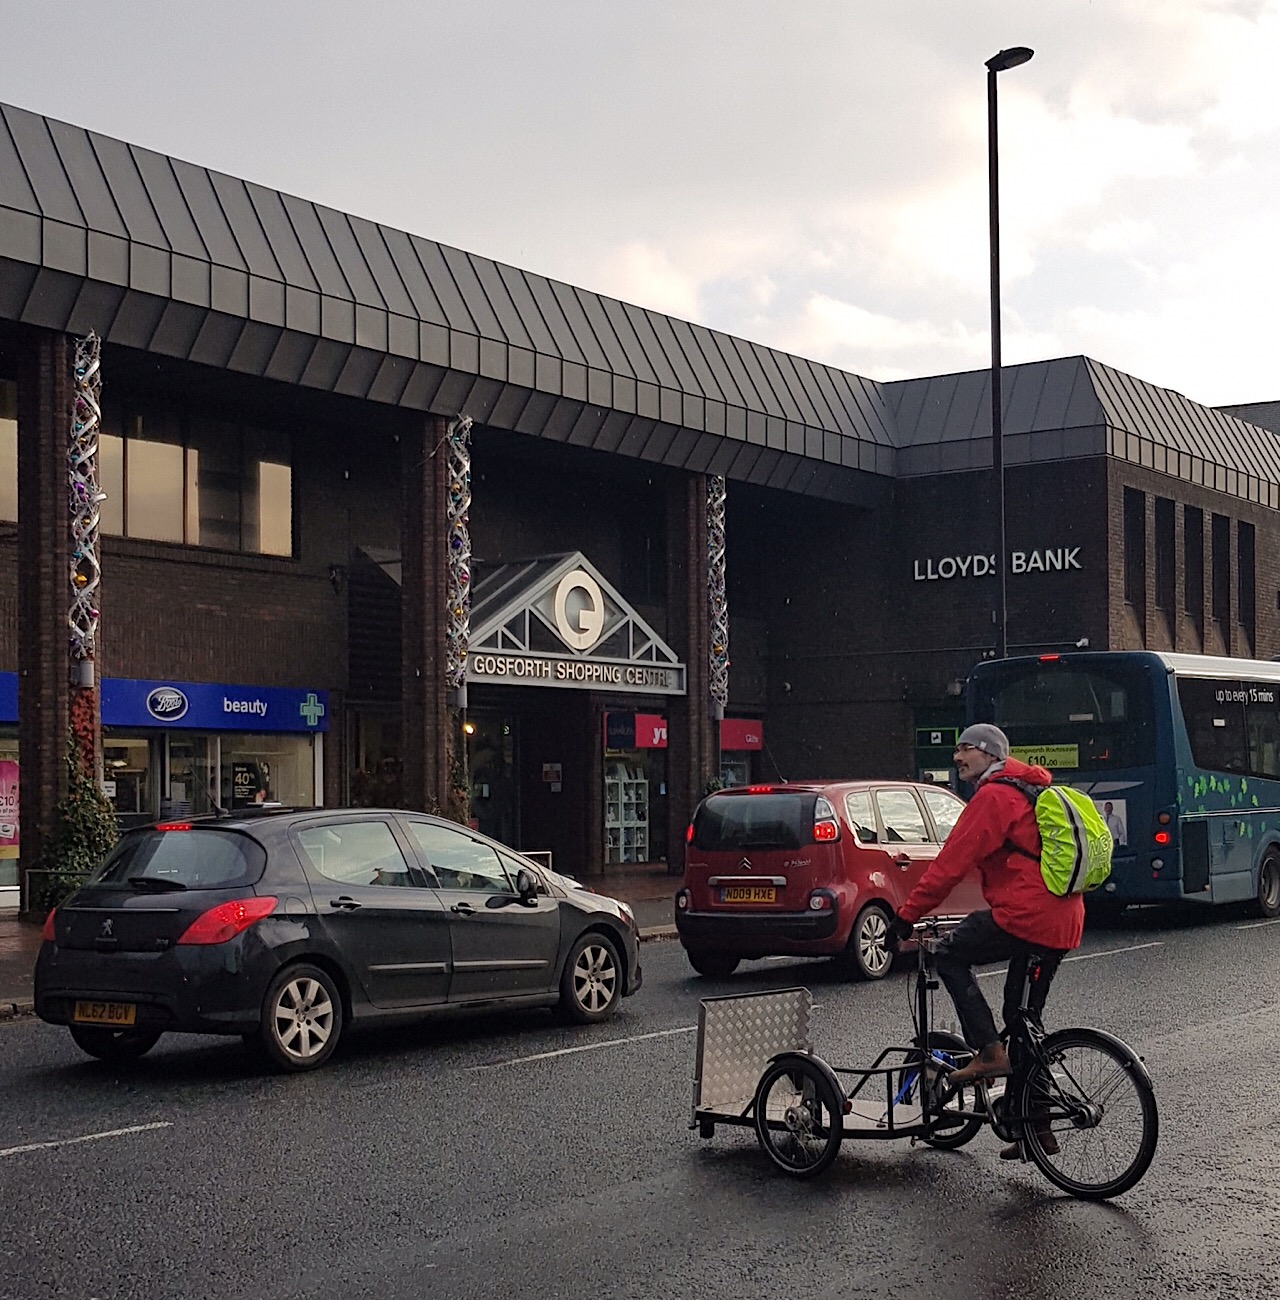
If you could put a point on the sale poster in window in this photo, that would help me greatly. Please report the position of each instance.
(8, 808)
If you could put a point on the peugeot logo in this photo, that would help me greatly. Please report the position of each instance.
(745, 864)
(167, 703)
(105, 932)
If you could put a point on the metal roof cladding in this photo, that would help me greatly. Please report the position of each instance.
(161, 255)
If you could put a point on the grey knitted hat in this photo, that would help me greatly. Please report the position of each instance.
(990, 739)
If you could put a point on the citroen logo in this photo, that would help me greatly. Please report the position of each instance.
(105, 932)
(745, 864)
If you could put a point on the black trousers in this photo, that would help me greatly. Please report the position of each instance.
(978, 939)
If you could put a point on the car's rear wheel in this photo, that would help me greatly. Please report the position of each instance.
(301, 1018)
(713, 965)
(591, 982)
(868, 955)
(114, 1045)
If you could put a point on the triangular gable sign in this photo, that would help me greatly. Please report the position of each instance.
(568, 626)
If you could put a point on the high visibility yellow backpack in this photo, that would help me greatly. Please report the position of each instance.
(1075, 845)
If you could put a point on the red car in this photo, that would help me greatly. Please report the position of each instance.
(810, 869)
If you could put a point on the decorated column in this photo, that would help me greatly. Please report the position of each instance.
(458, 618)
(84, 502)
(717, 598)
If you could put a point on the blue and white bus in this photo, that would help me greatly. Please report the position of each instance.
(1181, 753)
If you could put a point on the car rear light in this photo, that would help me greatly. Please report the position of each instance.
(173, 826)
(759, 789)
(825, 827)
(688, 833)
(46, 935)
(821, 900)
(227, 920)
(682, 900)
(1049, 659)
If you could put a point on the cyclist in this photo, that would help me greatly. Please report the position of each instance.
(997, 834)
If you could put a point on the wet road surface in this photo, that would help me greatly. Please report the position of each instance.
(509, 1156)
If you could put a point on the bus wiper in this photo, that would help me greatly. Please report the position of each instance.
(156, 883)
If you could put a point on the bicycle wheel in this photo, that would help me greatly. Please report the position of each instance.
(1095, 1122)
(950, 1135)
(799, 1117)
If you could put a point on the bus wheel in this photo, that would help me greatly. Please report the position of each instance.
(1269, 886)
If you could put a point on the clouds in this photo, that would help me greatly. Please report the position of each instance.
(810, 175)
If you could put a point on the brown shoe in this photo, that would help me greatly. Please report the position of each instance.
(990, 1063)
(1048, 1144)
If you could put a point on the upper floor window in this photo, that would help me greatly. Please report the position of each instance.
(200, 481)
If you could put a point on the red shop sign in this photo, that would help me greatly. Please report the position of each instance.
(741, 733)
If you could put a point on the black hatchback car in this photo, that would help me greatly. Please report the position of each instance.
(287, 926)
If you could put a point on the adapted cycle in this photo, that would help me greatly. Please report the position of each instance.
(1080, 1103)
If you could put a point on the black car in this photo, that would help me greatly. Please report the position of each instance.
(287, 926)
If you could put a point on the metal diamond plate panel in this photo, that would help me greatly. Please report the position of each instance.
(737, 1036)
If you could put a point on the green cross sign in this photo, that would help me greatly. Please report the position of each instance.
(311, 709)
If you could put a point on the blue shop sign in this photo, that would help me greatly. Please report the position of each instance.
(212, 706)
(196, 706)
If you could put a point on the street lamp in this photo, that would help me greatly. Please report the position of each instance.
(998, 63)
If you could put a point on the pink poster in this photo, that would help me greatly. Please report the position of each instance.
(8, 808)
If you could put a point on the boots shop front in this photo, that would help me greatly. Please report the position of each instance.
(565, 684)
(173, 749)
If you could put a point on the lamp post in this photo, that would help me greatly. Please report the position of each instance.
(998, 63)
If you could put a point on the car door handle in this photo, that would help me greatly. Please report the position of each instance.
(345, 903)
(463, 909)
(902, 860)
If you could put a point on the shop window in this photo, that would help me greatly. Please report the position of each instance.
(8, 450)
(200, 481)
(257, 768)
(1193, 562)
(1135, 548)
(126, 772)
(9, 803)
(1166, 565)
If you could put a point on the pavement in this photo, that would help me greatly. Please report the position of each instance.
(649, 890)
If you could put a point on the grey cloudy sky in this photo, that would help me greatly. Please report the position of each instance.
(807, 173)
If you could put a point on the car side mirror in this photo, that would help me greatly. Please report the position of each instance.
(527, 887)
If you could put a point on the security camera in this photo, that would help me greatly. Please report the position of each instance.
(1083, 643)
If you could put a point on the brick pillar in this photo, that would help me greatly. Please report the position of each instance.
(693, 751)
(44, 413)
(423, 488)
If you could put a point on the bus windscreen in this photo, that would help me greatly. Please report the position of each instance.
(1069, 717)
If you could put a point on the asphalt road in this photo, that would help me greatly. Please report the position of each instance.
(507, 1156)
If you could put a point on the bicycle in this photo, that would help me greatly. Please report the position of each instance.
(1080, 1102)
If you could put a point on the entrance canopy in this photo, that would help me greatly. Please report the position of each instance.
(557, 621)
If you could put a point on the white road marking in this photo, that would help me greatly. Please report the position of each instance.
(1085, 956)
(88, 1137)
(585, 1047)
(1253, 925)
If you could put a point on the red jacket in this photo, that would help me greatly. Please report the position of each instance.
(997, 833)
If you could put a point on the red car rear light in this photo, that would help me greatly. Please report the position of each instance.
(759, 789)
(688, 833)
(227, 920)
(46, 935)
(173, 826)
(825, 827)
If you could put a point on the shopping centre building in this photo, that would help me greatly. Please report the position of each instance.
(296, 403)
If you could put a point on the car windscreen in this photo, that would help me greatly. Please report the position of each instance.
(187, 859)
(1068, 716)
(754, 821)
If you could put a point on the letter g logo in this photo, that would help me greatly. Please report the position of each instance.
(579, 610)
